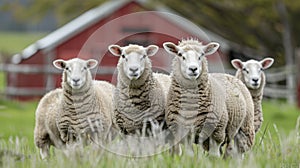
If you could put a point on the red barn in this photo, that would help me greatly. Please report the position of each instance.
(31, 73)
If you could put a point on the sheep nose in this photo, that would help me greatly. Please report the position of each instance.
(76, 80)
(133, 69)
(255, 80)
(193, 68)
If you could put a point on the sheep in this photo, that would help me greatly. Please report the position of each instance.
(46, 132)
(139, 99)
(211, 106)
(80, 110)
(252, 75)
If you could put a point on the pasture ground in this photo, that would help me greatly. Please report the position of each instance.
(277, 144)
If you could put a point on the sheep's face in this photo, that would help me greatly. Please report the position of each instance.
(190, 56)
(76, 71)
(252, 70)
(133, 58)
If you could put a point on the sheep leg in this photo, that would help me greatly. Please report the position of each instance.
(244, 139)
(176, 149)
(231, 150)
(214, 147)
(44, 151)
(177, 134)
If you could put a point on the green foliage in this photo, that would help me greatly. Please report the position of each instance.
(37, 9)
(277, 146)
(257, 24)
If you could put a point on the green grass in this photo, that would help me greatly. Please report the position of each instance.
(17, 120)
(15, 42)
(2, 81)
(279, 146)
(284, 116)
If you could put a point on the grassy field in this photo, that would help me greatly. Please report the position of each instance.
(14, 42)
(279, 146)
(2, 81)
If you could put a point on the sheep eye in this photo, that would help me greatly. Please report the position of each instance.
(244, 69)
(183, 58)
(143, 57)
(199, 58)
(84, 68)
(179, 54)
(67, 68)
(123, 56)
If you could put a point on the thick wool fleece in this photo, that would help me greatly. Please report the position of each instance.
(241, 113)
(138, 101)
(196, 106)
(64, 116)
(214, 106)
(257, 96)
(86, 111)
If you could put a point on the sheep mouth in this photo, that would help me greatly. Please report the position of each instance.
(76, 85)
(255, 85)
(134, 76)
(193, 74)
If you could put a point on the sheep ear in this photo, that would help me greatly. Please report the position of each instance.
(266, 63)
(170, 48)
(211, 48)
(115, 50)
(237, 64)
(91, 63)
(151, 50)
(59, 64)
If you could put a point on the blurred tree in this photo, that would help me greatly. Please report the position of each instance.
(34, 10)
(268, 26)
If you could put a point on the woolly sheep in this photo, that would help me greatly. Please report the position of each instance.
(81, 109)
(139, 99)
(211, 105)
(251, 73)
(46, 132)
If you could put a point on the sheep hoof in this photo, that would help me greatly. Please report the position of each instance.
(44, 152)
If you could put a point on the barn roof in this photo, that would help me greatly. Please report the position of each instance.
(94, 15)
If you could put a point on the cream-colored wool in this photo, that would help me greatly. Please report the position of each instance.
(74, 114)
(138, 101)
(250, 70)
(196, 105)
(240, 108)
(257, 96)
(46, 131)
(211, 105)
